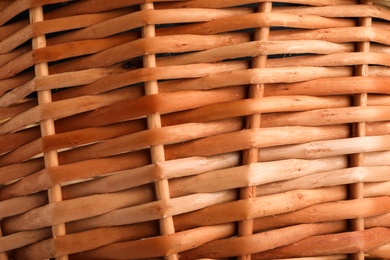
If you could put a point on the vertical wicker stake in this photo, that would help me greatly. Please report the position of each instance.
(47, 126)
(3, 255)
(253, 121)
(154, 121)
(359, 130)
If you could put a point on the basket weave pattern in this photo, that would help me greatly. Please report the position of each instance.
(202, 129)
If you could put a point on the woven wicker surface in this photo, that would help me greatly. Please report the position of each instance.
(203, 129)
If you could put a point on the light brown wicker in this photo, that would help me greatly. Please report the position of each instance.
(202, 129)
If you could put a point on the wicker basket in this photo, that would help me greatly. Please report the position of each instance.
(203, 129)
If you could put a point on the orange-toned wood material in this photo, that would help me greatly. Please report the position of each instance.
(47, 125)
(194, 129)
(359, 130)
(157, 150)
(256, 91)
(3, 255)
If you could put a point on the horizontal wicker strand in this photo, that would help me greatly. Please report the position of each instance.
(262, 241)
(356, 241)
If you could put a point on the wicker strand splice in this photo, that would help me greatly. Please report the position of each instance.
(194, 129)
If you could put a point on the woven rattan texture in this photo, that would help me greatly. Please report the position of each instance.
(203, 129)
